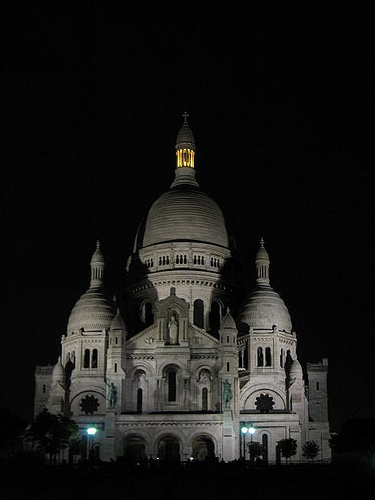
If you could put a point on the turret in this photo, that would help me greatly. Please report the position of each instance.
(117, 339)
(318, 402)
(229, 355)
(262, 263)
(185, 145)
(97, 265)
(185, 156)
(57, 395)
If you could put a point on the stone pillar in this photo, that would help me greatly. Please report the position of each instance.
(109, 435)
(229, 437)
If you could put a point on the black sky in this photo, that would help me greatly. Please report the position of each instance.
(279, 106)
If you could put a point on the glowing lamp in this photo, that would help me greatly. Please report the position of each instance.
(251, 430)
(91, 431)
(244, 430)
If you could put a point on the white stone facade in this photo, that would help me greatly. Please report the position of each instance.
(173, 376)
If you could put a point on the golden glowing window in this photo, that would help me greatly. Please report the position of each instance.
(185, 158)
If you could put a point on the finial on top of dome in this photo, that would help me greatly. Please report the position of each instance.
(185, 145)
(97, 266)
(262, 263)
(227, 322)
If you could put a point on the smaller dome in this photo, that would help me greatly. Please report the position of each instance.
(264, 308)
(93, 311)
(58, 374)
(295, 369)
(117, 322)
(228, 322)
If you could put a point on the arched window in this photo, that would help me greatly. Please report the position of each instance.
(139, 400)
(94, 359)
(86, 359)
(149, 316)
(260, 359)
(281, 358)
(246, 356)
(215, 317)
(172, 386)
(204, 399)
(44, 388)
(198, 313)
(115, 368)
(268, 356)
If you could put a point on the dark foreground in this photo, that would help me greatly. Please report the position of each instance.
(216, 481)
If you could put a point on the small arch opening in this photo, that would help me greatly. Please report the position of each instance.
(260, 358)
(94, 358)
(198, 313)
(86, 359)
(268, 357)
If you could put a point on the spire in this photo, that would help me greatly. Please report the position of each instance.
(227, 322)
(97, 267)
(185, 155)
(262, 264)
(185, 145)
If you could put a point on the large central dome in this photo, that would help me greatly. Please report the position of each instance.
(184, 213)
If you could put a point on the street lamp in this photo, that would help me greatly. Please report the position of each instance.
(252, 431)
(244, 430)
(91, 431)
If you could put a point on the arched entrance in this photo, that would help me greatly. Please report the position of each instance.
(203, 448)
(169, 449)
(134, 449)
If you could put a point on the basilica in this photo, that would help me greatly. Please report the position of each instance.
(184, 366)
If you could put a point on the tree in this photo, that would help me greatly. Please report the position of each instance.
(52, 433)
(310, 450)
(288, 448)
(255, 450)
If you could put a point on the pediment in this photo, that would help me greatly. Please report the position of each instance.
(200, 338)
(145, 339)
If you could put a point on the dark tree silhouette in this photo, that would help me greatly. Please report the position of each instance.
(288, 448)
(52, 433)
(255, 450)
(310, 450)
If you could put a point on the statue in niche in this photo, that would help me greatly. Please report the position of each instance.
(173, 330)
(204, 376)
(112, 395)
(140, 377)
(227, 393)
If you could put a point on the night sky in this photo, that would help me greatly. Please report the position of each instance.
(279, 105)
